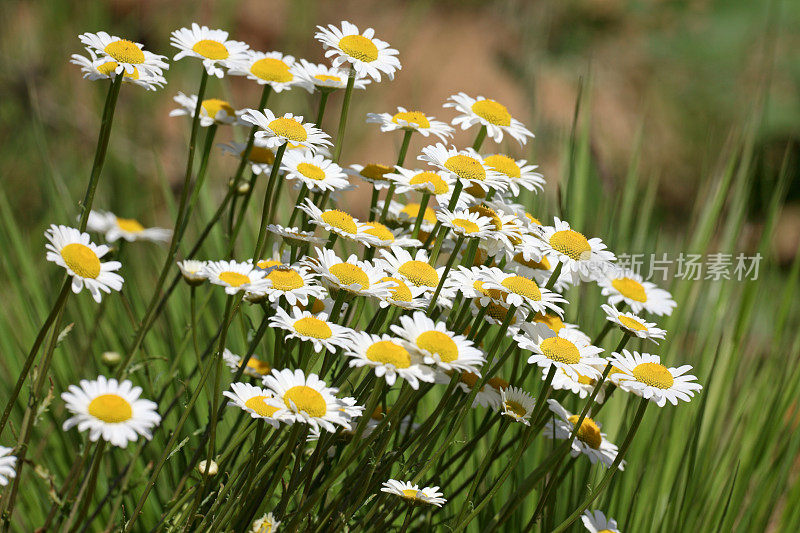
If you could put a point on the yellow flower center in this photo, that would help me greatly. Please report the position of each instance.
(583, 380)
(288, 128)
(411, 210)
(419, 273)
(259, 366)
(340, 220)
(304, 398)
(269, 263)
(111, 408)
(328, 77)
(359, 47)
(413, 117)
(630, 288)
(560, 350)
(631, 323)
(438, 343)
(317, 307)
(654, 374)
(313, 327)
(261, 155)
(522, 286)
(108, 68)
(213, 106)
(489, 213)
(498, 383)
(311, 171)
(504, 164)
(571, 243)
(376, 229)
(401, 292)
(515, 407)
(211, 49)
(439, 185)
(466, 167)
(533, 219)
(125, 51)
(492, 112)
(375, 171)
(389, 353)
(550, 320)
(467, 225)
(350, 274)
(285, 279)
(588, 433)
(257, 404)
(271, 69)
(234, 279)
(130, 225)
(475, 190)
(410, 494)
(544, 264)
(81, 260)
(497, 311)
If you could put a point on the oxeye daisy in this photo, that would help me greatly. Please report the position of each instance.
(96, 68)
(568, 351)
(517, 404)
(404, 294)
(255, 368)
(110, 410)
(520, 174)
(261, 158)
(294, 283)
(265, 524)
(271, 68)
(379, 175)
(351, 409)
(378, 235)
(506, 231)
(129, 56)
(316, 329)
(212, 110)
(211, 46)
(333, 220)
(415, 269)
(490, 113)
(389, 357)
(411, 120)
(644, 375)
(255, 401)
(496, 313)
(314, 171)
(414, 494)
(581, 258)
(193, 272)
(490, 395)
(576, 383)
(294, 236)
(634, 324)
(626, 286)
(596, 522)
(286, 129)
(466, 165)
(437, 345)
(306, 400)
(72, 250)
(7, 464)
(367, 55)
(589, 440)
(465, 224)
(326, 78)
(423, 181)
(130, 229)
(234, 276)
(352, 275)
(520, 291)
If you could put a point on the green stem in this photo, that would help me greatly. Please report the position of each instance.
(447, 267)
(423, 205)
(479, 138)
(273, 175)
(401, 158)
(351, 79)
(323, 101)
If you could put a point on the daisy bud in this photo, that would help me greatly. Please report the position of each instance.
(111, 359)
(211, 470)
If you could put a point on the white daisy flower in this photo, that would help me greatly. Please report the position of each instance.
(422, 181)
(193, 272)
(539, 270)
(465, 224)
(404, 295)
(255, 401)
(377, 174)
(645, 376)
(578, 384)
(255, 368)
(7, 464)
(103, 67)
(568, 350)
(490, 394)
(634, 324)
(415, 269)
(261, 158)
(596, 522)
(411, 120)
(130, 57)
(72, 250)
(351, 409)
(581, 258)
(333, 220)
(286, 129)
(466, 165)
(352, 275)
(294, 236)
(517, 404)
(389, 357)
(520, 174)
(316, 329)
(234, 276)
(489, 113)
(212, 110)
(306, 400)
(367, 55)
(314, 171)
(110, 410)
(130, 229)
(211, 46)
(326, 78)
(294, 283)
(413, 493)
(629, 287)
(375, 234)
(519, 291)
(265, 524)
(271, 68)
(506, 231)
(437, 345)
(589, 440)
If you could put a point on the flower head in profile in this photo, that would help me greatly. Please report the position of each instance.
(97, 67)
(255, 367)
(421, 181)
(569, 350)
(414, 494)
(489, 113)
(389, 357)
(270, 68)
(234, 276)
(378, 174)
(517, 404)
(645, 376)
(193, 271)
(375, 234)
(633, 324)
(128, 56)
(110, 410)
(589, 440)
(316, 329)
(472, 225)
(314, 171)
(596, 522)
(326, 78)
(7, 463)
(357, 277)
(580, 258)
(411, 121)
(72, 250)
(626, 286)
(212, 110)
(266, 524)
(130, 229)
(333, 220)
(520, 174)
(254, 401)
(489, 395)
(365, 54)
(211, 46)
(286, 129)
(465, 165)
(260, 157)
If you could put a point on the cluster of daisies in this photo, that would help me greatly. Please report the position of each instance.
(445, 254)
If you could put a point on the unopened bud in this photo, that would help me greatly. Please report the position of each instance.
(209, 468)
(111, 359)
